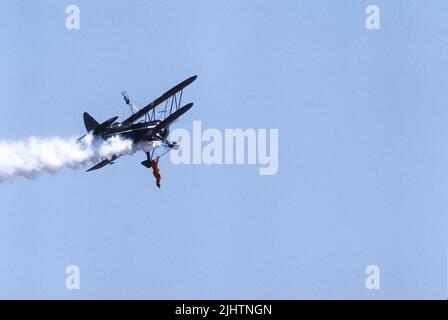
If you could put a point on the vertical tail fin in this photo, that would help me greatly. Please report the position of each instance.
(90, 122)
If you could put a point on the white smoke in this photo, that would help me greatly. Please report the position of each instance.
(29, 157)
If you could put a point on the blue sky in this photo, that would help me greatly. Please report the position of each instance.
(362, 173)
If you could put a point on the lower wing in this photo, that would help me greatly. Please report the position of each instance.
(103, 163)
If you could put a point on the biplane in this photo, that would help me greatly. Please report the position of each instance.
(149, 132)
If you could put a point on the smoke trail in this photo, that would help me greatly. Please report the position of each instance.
(29, 157)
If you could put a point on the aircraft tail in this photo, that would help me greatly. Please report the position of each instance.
(90, 122)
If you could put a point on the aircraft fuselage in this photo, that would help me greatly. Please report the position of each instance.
(136, 132)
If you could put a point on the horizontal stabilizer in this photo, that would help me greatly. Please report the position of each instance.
(104, 125)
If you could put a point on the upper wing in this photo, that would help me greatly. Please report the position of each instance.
(159, 100)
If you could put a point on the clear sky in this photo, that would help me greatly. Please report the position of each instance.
(363, 159)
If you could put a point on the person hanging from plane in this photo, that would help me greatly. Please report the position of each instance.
(156, 171)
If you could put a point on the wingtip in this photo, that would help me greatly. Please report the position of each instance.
(192, 78)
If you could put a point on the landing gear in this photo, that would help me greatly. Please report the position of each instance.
(148, 162)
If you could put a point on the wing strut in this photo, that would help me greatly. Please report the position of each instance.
(140, 113)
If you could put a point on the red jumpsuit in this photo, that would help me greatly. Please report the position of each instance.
(156, 171)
